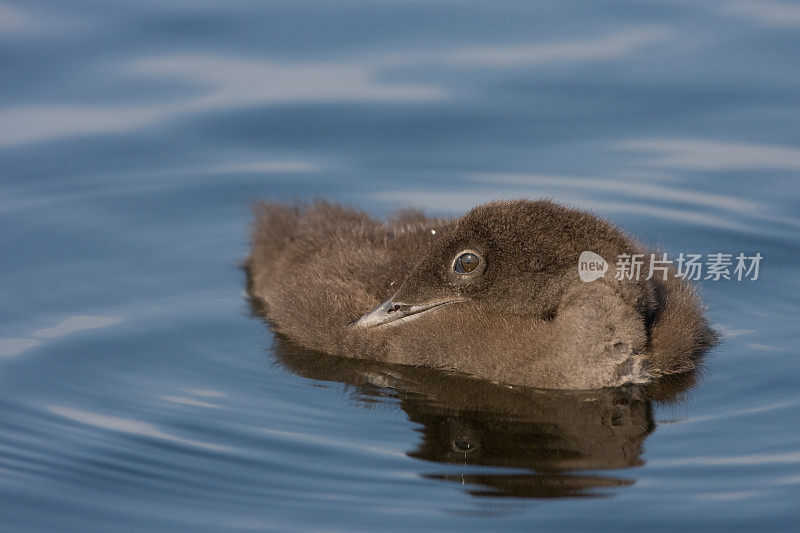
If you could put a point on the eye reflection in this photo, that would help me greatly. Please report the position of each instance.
(466, 262)
(463, 445)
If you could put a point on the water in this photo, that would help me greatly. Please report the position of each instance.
(138, 393)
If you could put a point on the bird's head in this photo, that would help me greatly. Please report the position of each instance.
(506, 257)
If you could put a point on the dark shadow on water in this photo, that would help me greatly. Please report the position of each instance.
(550, 441)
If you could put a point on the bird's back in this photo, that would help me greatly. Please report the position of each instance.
(316, 267)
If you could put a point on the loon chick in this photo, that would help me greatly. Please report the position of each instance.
(495, 293)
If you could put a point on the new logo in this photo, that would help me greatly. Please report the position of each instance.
(591, 266)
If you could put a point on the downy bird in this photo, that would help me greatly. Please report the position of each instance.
(495, 293)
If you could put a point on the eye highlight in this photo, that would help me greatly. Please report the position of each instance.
(466, 263)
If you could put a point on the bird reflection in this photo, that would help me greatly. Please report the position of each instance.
(539, 443)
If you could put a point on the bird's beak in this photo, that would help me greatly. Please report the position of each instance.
(392, 311)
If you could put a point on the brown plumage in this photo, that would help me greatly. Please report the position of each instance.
(522, 316)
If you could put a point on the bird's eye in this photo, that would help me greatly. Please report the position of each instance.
(466, 262)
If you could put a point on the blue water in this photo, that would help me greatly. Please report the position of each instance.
(138, 392)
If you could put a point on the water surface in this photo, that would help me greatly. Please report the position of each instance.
(138, 392)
